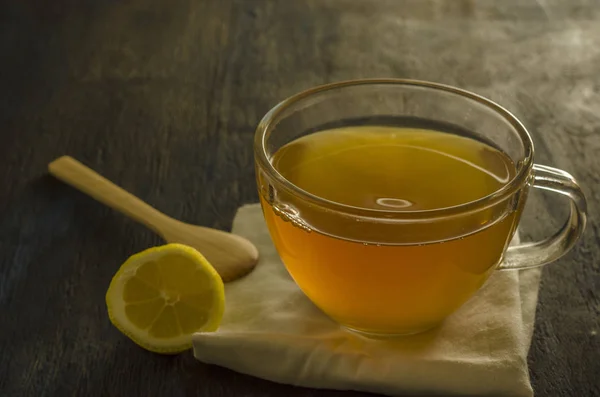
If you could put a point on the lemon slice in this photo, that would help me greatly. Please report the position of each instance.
(161, 296)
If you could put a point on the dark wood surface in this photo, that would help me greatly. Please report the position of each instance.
(162, 97)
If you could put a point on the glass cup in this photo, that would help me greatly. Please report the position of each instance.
(398, 272)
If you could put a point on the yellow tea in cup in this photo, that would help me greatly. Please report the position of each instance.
(391, 202)
(373, 287)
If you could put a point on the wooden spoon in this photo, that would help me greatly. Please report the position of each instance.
(232, 256)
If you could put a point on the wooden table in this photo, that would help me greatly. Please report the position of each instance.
(163, 97)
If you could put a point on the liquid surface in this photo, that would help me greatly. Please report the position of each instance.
(393, 168)
(387, 288)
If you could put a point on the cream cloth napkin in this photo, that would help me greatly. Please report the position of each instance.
(272, 331)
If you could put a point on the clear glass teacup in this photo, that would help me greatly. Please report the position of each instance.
(384, 199)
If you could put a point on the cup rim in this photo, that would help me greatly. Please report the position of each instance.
(520, 178)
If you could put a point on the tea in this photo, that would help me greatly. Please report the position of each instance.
(399, 286)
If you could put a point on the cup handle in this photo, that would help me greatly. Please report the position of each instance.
(539, 253)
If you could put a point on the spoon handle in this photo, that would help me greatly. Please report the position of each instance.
(95, 185)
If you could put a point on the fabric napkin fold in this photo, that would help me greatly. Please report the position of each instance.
(271, 330)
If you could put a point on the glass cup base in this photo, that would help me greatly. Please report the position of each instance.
(390, 335)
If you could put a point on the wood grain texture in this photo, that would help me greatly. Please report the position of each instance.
(163, 97)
